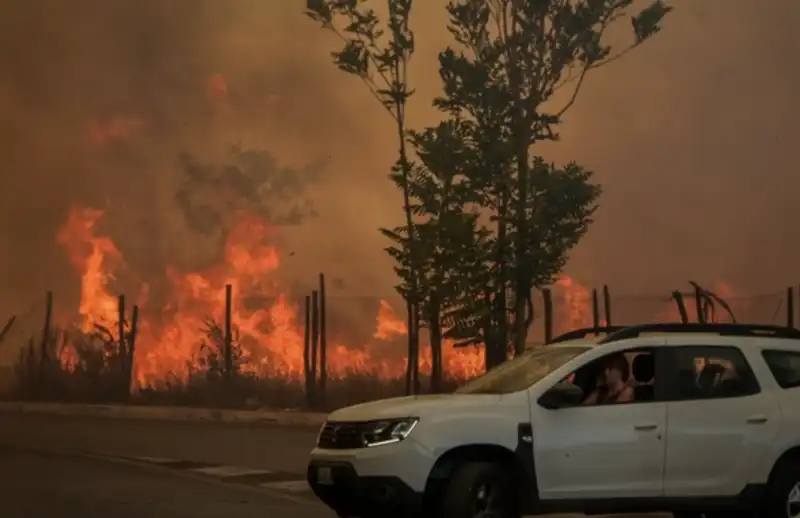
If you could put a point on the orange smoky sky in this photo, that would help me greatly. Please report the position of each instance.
(692, 137)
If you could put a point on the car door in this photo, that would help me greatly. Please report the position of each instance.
(604, 451)
(720, 422)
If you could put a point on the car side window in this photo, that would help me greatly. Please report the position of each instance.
(617, 378)
(712, 372)
(785, 367)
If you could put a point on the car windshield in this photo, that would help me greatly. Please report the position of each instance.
(523, 371)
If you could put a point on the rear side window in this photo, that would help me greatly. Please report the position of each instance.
(785, 367)
(712, 372)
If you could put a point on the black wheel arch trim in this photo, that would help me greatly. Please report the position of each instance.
(529, 490)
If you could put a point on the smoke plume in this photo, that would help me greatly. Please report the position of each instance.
(691, 137)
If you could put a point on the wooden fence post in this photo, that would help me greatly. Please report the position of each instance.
(595, 310)
(307, 351)
(228, 336)
(121, 330)
(547, 302)
(790, 306)
(129, 364)
(607, 304)
(43, 357)
(314, 344)
(122, 352)
(323, 340)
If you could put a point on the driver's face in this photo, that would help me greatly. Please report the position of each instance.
(612, 375)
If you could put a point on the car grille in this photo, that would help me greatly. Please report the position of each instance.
(341, 436)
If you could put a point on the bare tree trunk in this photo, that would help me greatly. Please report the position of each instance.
(435, 333)
(679, 302)
(547, 302)
(7, 327)
(497, 351)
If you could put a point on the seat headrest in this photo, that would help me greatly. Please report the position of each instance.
(709, 376)
(644, 368)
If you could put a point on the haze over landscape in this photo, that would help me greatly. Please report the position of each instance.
(692, 137)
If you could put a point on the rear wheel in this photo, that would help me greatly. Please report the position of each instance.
(480, 490)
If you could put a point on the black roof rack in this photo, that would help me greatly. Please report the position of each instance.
(577, 334)
(720, 329)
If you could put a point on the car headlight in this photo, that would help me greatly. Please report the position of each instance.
(389, 431)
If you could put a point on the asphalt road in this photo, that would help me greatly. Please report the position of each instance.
(49, 485)
(262, 446)
(49, 468)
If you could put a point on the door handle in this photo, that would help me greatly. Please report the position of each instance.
(757, 419)
(645, 426)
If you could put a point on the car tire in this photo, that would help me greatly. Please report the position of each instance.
(712, 514)
(783, 493)
(477, 488)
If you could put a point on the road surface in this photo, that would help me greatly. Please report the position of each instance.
(72, 466)
(264, 446)
(49, 485)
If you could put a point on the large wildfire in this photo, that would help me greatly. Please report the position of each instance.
(271, 334)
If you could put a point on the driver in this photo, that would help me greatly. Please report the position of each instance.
(614, 387)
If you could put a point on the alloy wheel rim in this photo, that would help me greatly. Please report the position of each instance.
(488, 502)
(793, 502)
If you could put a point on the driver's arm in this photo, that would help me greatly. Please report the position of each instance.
(592, 399)
(626, 396)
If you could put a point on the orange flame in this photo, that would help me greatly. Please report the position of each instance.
(270, 333)
(269, 330)
(95, 258)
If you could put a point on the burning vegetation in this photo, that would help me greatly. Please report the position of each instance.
(487, 232)
(180, 343)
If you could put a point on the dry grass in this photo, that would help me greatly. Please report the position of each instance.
(98, 377)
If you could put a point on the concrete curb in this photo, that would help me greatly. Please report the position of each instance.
(159, 413)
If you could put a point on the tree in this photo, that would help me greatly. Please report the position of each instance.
(449, 235)
(382, 64)
(516, 54)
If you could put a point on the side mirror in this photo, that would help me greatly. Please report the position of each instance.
(561, 396)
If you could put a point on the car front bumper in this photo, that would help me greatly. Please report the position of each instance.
(352, 495)
(386, 481)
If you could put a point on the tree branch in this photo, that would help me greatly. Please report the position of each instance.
(582, 76)
(371, 86)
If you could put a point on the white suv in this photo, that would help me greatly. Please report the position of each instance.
(713, 430)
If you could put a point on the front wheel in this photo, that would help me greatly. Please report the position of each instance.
(712, 514)
(480, 490)
(783, 495)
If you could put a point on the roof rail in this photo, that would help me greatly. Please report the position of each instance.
(720, 329)
(577, 334)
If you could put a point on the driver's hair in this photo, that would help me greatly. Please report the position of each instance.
(620, 363)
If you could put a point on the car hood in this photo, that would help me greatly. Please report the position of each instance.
(413, 406)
